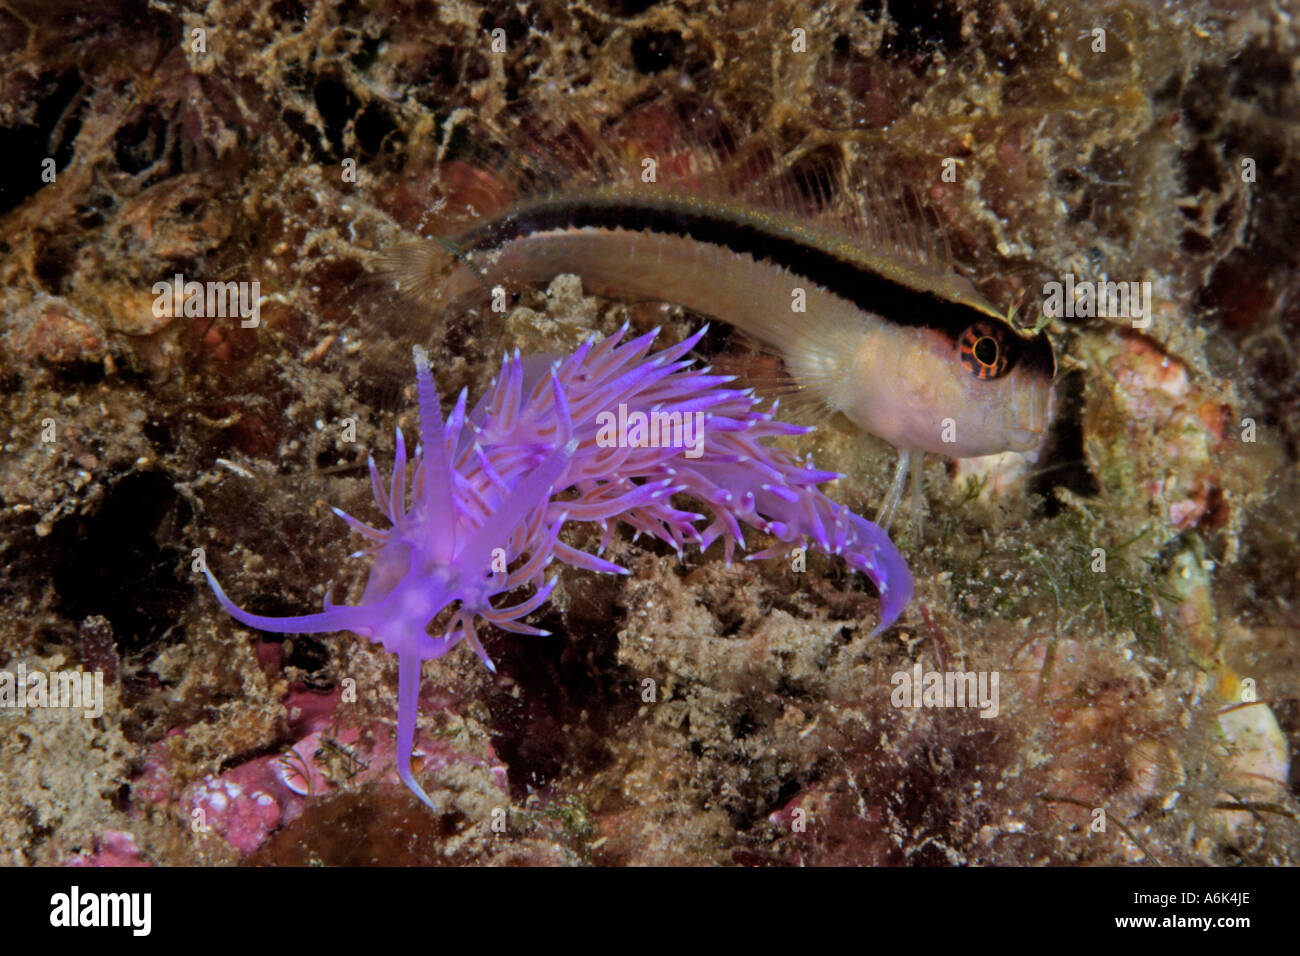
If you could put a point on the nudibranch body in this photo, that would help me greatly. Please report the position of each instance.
(491, 490)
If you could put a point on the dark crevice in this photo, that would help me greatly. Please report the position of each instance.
(656, 50)
(121, 562)
(25, 148)
(1065, 465)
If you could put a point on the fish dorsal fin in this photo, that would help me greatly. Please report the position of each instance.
(659, 147)
(825, 194)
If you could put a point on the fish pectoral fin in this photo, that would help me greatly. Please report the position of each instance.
(885, 516)
(916, 474)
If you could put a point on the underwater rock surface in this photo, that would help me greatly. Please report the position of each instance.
(1133, 585)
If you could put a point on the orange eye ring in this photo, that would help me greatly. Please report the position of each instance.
(984, 351)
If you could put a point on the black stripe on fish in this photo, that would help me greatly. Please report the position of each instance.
(868, 289)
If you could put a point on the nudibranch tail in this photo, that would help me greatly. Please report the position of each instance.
(557, 441)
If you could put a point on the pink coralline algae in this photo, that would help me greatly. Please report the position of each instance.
(611, 432)
(245, 804)
(238, 805)
(112, 848)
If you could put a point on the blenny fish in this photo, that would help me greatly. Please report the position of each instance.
(490, 491)
(869, 319)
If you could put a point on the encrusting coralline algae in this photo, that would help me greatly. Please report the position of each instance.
(492, 490)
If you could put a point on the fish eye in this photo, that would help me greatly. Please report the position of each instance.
(985, 351)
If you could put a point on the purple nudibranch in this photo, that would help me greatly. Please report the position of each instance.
(494, 488)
